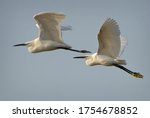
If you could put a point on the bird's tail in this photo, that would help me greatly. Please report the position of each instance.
(121, 61)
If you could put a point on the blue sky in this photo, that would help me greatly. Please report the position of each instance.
(56, 75)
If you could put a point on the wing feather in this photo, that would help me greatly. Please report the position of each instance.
(109, 39)
(49, 25)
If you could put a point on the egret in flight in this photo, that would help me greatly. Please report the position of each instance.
(50, 35)
(110, 47)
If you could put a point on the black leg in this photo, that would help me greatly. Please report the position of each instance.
(135, 74)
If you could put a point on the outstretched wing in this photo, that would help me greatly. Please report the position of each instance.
(109, 39)
(49, 25)
(66, 28)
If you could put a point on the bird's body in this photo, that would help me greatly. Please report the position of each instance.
(96, 59)
(38, 45)
(110, 47)
(50, 35)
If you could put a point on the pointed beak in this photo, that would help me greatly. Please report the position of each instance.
(80, 57)
(85, 51)
(22, 44)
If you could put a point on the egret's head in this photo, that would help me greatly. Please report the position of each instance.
(24, 44)
(29, 45)
(88, 59)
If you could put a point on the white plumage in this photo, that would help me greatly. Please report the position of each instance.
(111, 46)
(50, 36)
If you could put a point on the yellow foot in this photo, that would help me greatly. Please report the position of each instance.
(137, 75)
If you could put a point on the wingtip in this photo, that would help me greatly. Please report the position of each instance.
(48, 13)
(66, 28)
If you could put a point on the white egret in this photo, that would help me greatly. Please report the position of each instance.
(50, 37)
(110, 44)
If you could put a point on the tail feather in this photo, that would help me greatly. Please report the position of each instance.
(121, 61)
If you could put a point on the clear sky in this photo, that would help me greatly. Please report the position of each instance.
(56, 75)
